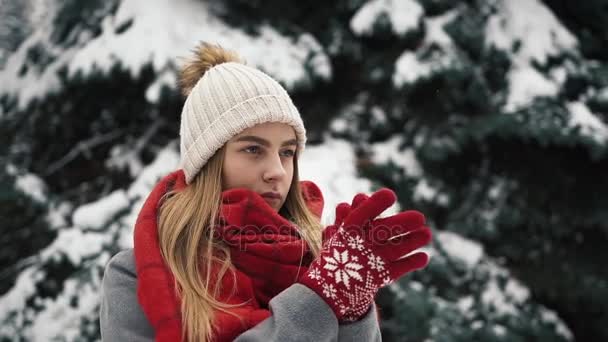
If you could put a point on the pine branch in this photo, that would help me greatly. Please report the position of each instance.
(83, 147)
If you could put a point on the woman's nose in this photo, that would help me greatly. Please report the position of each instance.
(274, 169)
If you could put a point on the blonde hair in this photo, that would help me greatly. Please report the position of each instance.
(186, 229)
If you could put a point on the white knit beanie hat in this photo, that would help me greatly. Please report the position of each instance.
(229, 98)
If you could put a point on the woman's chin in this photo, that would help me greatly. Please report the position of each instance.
(273, 202)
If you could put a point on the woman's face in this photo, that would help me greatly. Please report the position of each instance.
(260, 159)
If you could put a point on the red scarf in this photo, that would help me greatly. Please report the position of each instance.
(265, 248)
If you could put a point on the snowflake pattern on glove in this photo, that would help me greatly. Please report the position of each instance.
(355, 242)
(376, 263)
(343, 277)
(343, 267)
(329, 290)
(315, 274)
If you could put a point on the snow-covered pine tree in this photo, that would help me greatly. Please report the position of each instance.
(489, 116)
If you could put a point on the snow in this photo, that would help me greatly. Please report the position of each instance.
(499, 329)
(561, 328)
(128, 155)
(33, 84)
(62, 319)
(435, 32)
(76, 245)
(517, 291)
(28, 183)
(319, 61)
(80, 244)
(166, 78)
(476, 325)
(424, 191)
(58, 215)
(504, 298)
(526, 22)
(525, 84)
(97, 214)
(493, 296)
(460, 248)
(389, 150)
(588, 123)
(166, 161)
(409, 67)
(378, 115)
(533, 25)
(332, 167)
(346, 121)
(17, 296)
(160, 33)
(404, 16)
(339, 125)
(501, 294)
(465, 304)
(32, 185)
(539, 34)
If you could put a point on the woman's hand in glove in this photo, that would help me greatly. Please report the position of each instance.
(364, 254)
(342, 210)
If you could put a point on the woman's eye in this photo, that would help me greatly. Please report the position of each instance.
(252, 149)
(257, 150)
(289, 153)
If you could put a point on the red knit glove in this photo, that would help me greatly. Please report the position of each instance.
(342, 210)
(359, 258)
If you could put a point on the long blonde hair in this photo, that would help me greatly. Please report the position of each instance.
(186, 226)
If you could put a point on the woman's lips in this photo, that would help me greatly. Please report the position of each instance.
(270, 199)
(273, 195)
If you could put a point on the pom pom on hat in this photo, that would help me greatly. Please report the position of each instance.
(205, 56)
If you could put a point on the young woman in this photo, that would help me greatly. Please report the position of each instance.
(230, 246)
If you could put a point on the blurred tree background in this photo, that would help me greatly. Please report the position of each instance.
(489, 116)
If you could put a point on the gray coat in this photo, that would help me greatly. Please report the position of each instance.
(298, 313)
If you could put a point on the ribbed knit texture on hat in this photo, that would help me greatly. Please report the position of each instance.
(229, 98)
